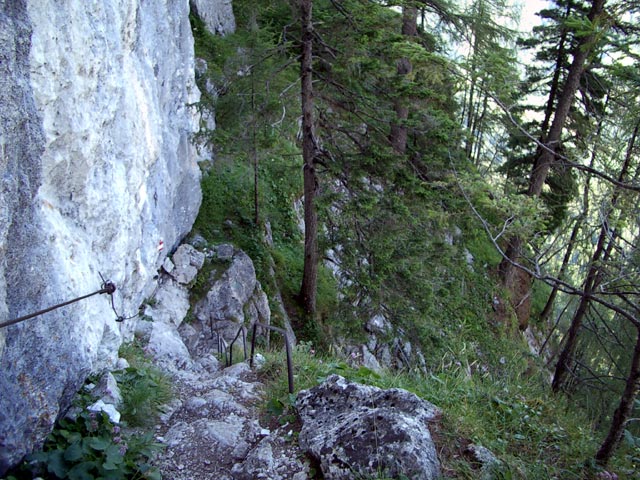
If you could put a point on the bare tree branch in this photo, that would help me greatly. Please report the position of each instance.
(562, 286)
(565, 160)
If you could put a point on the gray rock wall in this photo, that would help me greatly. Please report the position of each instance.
(21, 145)
(98, 175)
(216, 14)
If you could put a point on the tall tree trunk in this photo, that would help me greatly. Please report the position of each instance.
(254, 155)
(555, 80)
(571, 337)
(576, 228)
(398, 135)
(593, 279)
(552, 142)
(542, 164)
(477, 133)
(470, 107)
(517, 282)
(625, 407)
(308, 288)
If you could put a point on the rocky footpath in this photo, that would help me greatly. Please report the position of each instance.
(213, 428)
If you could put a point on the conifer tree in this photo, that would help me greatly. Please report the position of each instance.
(398, 136)
(517, 281)
(308, 289)
(594, 277)
(489, 72)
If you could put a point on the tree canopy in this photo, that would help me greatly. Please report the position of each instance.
(469, 183)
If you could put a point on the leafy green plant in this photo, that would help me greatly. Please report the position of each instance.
(92, 447)
(144, 391)
(144, 387)
(89, 446)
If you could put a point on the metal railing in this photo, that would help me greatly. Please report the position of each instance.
(242, 331)
(287, 346)
(227, 349)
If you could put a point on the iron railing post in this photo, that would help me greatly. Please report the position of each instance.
(287, 347)
(253, 343)
(244, 343)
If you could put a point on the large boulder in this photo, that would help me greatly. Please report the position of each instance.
(360, 431)
(235, 298)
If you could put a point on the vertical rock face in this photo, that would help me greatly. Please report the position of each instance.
(98, 175)
(216, 14)
(21, 145)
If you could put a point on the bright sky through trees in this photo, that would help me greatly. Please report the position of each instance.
(528, 17)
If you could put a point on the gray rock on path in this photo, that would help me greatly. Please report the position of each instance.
(185, 263)
(170, 306)
(358, 431)
(487, 460)
(170, 303)
(273, 458)
(107, 390)
(215, 426)
(235, 297)
(168, 349)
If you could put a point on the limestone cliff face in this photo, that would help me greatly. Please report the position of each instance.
(217, 15)
(98, 175)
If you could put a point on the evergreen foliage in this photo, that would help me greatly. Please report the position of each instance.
(87, 445)
(396, 227)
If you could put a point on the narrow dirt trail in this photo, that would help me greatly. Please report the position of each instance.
(212, 429)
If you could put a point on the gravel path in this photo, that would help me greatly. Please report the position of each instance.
(212, 429)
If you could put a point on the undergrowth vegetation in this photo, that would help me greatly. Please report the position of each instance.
(256, 174)
(398, 235)
(87, 445)
(144, 387)
(506, 409)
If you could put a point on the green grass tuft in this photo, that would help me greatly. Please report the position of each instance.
(535, 435)
(144, 387)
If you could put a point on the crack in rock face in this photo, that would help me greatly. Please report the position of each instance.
(356, 430)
